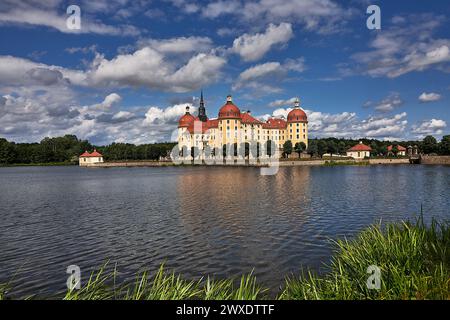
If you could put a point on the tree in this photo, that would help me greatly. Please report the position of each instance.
(394, 150)
(299, 148)
(342, 147)
(332, 148)
(322, 148)
(287, 147)
(312, 148)
(429, 145)
(444, 145)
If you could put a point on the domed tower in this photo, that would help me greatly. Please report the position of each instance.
(184, 140)
(297, 125)
(229, 122)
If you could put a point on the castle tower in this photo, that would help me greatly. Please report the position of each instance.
(201, 110)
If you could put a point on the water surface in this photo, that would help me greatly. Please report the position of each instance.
(219, 221)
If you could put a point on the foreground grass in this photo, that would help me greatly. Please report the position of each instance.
(414, 260)
(166, 286)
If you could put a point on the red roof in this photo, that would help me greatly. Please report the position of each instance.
(93, 154)
(275, 123)
(399, 148)
(360, 147)
(297, 115)
(185, 120)
(230, 111)
(247, 118)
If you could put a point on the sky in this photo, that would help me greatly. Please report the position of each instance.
(128, 73)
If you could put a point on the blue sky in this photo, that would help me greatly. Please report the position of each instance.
(129, 72)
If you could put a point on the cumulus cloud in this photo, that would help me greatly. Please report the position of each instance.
(429, 127)
(347, 124)
(148, 67)
(252, 47)
(145, 67)
(18, 71)
(429, 97)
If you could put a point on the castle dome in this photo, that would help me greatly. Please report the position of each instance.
(229, 110)
(186, 119)
(297, 114)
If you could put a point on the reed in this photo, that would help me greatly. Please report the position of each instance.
(414, 261)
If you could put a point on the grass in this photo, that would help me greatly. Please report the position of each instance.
(414, 261)
(165, 285)
(413, 258)
(333, 163)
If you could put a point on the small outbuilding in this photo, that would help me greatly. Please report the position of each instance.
(359, 151)
(87, 158)
(401, 151)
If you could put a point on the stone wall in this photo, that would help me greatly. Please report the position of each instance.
(435, 160)
(388, 161)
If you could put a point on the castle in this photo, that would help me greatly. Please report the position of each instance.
(233, 129)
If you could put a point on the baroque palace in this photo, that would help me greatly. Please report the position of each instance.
(233, 128)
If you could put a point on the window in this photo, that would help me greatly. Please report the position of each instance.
(298, 136)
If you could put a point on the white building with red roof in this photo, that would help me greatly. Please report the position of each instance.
(87, 158)
(401, 150)
(236, 127)
(359, 151)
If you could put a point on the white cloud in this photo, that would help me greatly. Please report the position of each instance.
(429, 97)
(322, 16)
(263, 76)
(49, 14)
(252, 47)
(347, 124)
(388, 104)
(108, 102)
(282, 102)
(179, 45)
(406, 46)
(429, 127)
(149, 68)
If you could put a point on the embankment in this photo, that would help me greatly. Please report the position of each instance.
(435, 160)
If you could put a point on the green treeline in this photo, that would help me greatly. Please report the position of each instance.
(67, 149)
(429, 145)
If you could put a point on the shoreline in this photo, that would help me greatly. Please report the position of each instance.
(281, 163)
(329, 162)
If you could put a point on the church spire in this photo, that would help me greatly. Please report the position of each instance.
(201, 110)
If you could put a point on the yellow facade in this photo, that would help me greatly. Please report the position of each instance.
(234, 127)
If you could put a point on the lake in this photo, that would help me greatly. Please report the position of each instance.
(218, 221)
